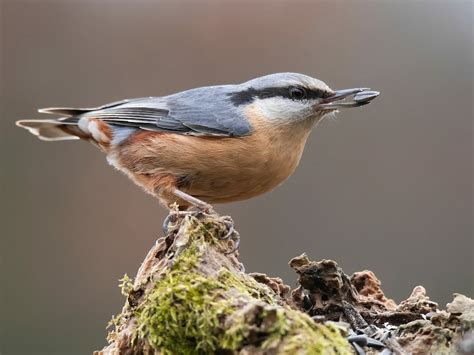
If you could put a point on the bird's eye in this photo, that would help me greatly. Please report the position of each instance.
(297, 93)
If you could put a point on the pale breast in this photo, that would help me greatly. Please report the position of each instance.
(255, 165)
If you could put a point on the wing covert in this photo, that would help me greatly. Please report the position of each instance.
(201, 118)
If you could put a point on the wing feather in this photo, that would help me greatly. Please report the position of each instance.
(200, 116)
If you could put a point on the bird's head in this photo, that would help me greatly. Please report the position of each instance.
(292, 97)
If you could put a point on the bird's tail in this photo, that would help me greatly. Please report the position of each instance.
(47, 130)
(64, 128)
(58, 129)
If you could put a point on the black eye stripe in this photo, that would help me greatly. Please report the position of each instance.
(249, 95)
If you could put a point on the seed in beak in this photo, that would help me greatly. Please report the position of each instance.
(365, 96)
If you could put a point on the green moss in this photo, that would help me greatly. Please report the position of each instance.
(262, 321)
(184, 312)
(181, 313)
(126, 285)
(205, 229)
(313, 338)
(247, 285)
(292, 331)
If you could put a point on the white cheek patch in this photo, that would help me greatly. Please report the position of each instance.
(279, 108)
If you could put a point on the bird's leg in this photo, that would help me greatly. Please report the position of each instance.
(193, 201)
(201, 205)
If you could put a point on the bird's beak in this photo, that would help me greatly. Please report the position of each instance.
(349, 98)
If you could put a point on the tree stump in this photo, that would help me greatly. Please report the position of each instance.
(191, 296)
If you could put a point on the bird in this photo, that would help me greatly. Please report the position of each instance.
(208, 145)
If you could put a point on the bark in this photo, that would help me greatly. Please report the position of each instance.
(191, 296)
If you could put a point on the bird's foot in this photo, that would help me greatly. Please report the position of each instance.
(200, 208)
(172, 217)
(231, 234)
(204, 208)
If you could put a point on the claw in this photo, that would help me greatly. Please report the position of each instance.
(172, 217)
(231, 234)
(166, 222)
(236, 240)
(208, 209)
(230, 230)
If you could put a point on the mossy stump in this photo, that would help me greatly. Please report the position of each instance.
(191, 297)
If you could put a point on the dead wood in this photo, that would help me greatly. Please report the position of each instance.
(190, 296)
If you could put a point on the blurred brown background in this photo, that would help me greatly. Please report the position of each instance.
(386, 187)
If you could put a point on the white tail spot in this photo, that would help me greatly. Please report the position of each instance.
(84, 124)
(97, 134)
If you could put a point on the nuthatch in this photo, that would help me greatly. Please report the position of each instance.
(206, 145)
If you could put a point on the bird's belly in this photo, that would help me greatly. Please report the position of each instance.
(210, 168)
(220, 183)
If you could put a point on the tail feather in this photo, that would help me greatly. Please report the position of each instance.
(64, 128)
(70, 111)
(47, 130)
(64, 111)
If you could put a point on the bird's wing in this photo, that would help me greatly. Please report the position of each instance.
(156, 114)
